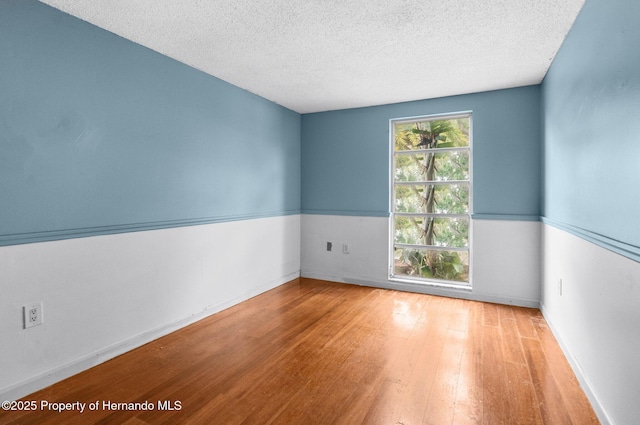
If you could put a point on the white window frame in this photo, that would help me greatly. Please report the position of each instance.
(392, 155)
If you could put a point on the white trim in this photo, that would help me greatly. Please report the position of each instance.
(434, 215)
(451, 291)
(50, 377)
(425, 151)
(586, 385)
(444, 115)
(438, 283)
(434, 183)
(433, 248)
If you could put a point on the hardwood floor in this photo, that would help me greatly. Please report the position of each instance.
(315, 352)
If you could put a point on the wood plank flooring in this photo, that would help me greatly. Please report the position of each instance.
(316, 352)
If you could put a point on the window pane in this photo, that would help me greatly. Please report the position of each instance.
(436, 166)
(423, 263)
(432, 198)
(436, 134)
(447, 232)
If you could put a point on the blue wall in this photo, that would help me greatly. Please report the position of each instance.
(345, 154)
(591, 104)
(100, 135)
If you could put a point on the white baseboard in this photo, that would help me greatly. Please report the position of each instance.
(44, 380)
(462, 293)
(588, 389)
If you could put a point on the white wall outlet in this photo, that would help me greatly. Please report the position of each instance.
(32, 315)
(560, 287)
(345, 248)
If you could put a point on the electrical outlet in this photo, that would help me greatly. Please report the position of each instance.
(560, 287)
(329, 246)
(32, 315)
(345, 248)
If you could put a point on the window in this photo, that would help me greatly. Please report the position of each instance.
(431, 199)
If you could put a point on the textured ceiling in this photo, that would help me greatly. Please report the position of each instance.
(318, 55)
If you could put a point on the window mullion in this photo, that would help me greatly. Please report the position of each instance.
(434, 150)
(427, 182)
(432, 247)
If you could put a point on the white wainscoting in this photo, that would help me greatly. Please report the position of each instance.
(506, 257)
(596, 320)
(105, 295)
